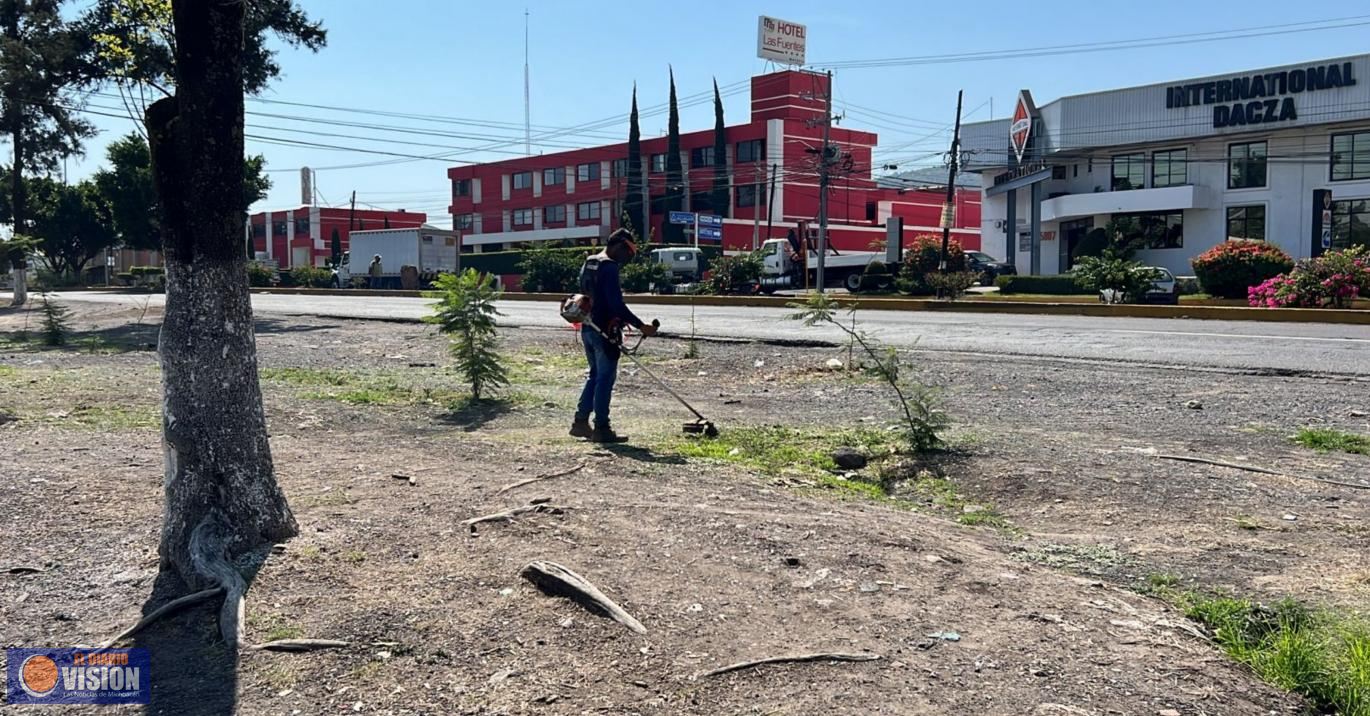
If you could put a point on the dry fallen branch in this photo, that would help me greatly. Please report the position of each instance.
(300, 645)
(510, 514)
(555, 579)
(159, 612)
(24, 569)
(796, 659)
(540, 478)
(1261, 470)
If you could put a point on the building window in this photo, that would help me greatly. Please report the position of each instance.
(1246, 222)
(587, 211)
(701, 157)
(1129, 172)
(554, 176)
(1351, 156)
(619, 168)
(1351, 223)
(587, 172)
(259, 229)
(658, 163)
(752, 150)
(302, 225)
(1170, 168)
(746, 195)
(702, 202)
(1153, 230)
(554, 214)
(1246, 165)
(523, 180)
(278, 228)
(461, 187)
(464, 222)
(523, 217)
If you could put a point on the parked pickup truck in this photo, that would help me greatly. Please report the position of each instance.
(781, 267)
(686, 263)
(428, 249)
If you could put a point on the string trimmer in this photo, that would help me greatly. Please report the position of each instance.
(701, 425)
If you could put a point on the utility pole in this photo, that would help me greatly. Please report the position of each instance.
(949, 208)
(352, 212)
(527, 111)
(826, 158)
(756, 204)
(770, 205)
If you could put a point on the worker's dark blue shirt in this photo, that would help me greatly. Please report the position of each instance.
(607, 305)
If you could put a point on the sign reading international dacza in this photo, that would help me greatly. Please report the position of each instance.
(78, 676)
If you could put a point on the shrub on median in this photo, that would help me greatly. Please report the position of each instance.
(1060, 285)
(1229, 269)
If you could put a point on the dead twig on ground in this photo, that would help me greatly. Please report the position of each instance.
(24, 569)
(540, 478)
(557, 580)
(300, 645)
(795, 659)
(165, 609)
(509, 514)
(1261, 470)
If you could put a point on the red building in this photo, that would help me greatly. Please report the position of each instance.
(578, 195)
(302, 236)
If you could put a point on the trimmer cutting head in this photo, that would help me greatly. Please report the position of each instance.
(700, 427)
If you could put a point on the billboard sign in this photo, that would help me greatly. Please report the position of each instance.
(1020, 130)
(780, 40)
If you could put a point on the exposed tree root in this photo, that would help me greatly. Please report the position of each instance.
(208, 554)
(796, 659)
(300, 645)
(510, 514)
(171, 606)
(555, 579)
(1261, 470)
(540, 478)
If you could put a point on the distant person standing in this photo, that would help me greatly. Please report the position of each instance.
(374, 271)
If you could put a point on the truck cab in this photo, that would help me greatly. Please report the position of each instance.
(686, 263)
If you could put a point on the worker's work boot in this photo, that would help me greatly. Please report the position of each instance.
(606, 434)
(580, 428)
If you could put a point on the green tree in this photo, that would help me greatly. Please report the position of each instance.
(126, 185)
(41, 68)
(224, 508)
(335, 248)
(633, 195)
(675, 179)
(721, 197)
(72, 224)
(466, 313)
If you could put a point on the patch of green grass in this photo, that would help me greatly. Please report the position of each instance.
(1323, 655)
(942, 493)
(107, 417)
(1092, 559)
(354, 556)
(327, 498)
(1161, 580)
(309, 376)
(7, 371)
(774, 450)
(1329, 440)
(310, 552)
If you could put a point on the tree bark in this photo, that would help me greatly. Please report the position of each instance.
(223, 506)
(18, 200)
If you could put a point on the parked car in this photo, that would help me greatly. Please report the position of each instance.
(988, 267)
(1165, 289)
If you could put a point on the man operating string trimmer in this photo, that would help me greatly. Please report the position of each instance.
(599, 282)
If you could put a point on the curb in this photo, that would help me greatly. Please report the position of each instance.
(1358, 317)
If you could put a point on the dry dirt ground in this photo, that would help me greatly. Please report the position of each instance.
(721, 562)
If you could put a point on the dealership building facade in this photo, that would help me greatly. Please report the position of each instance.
(1279, 154)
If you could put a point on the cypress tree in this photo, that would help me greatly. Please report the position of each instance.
(675, 180)
(632, 200)
(335, 247)
(720, 195)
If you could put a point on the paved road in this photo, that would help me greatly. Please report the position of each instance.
(1320, 348)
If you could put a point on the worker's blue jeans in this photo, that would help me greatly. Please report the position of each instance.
(599, 387)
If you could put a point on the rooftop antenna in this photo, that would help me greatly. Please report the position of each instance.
(527, 114)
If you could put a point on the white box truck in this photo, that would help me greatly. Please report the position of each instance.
(428, 249)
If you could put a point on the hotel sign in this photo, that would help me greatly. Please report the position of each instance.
(780, 40)
(1264, 98)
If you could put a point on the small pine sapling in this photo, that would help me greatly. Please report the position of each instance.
(56, 322)
(692, 347)
(466, 313)
(924, 419)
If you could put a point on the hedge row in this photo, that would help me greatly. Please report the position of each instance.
(1060, 285)
(507, 262)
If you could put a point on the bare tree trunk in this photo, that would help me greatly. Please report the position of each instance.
(223, 507)
(18, 200)
(21, 286)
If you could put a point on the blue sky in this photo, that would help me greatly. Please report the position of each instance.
(464, 60)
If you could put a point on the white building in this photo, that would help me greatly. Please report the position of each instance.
(1280, 154)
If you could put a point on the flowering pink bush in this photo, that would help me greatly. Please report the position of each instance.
(1332, 280)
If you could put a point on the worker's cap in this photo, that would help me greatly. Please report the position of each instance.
(622, 236)
(376, 256)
